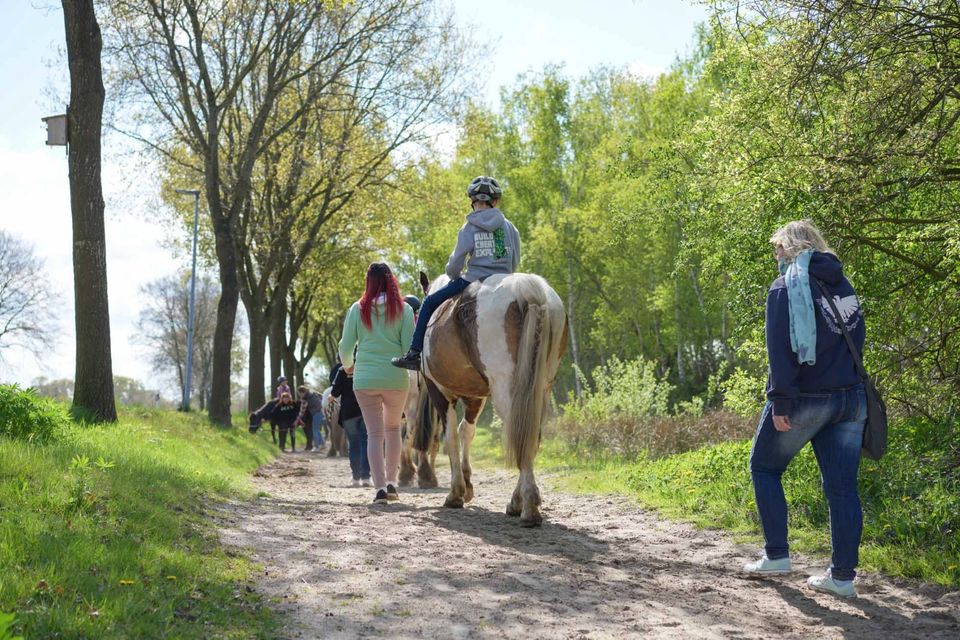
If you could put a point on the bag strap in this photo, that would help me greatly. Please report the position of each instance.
(846, 334)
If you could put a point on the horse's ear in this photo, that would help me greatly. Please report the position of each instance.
(424, 282)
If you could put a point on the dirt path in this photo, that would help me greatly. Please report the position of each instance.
(339, 567)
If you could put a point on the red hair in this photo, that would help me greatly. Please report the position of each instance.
(380, 279)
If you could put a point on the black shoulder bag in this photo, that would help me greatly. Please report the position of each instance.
(875, 431)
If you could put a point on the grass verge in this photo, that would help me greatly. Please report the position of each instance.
(911, 498)
(103, 532)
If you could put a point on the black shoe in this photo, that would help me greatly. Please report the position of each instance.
(381, 497)
(392, 494)
(410, 361)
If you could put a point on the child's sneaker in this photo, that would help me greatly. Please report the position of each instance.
(392, 494)
(381, 497)
(366, 482)
(826, 583)
(767, 567)
(356, 482)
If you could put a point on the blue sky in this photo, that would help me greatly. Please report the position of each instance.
(645, 36)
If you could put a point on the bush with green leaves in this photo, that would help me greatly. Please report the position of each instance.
(26, 416)
(628, 412)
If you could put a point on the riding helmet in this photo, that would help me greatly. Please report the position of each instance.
(484, 188)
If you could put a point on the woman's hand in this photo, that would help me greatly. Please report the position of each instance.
(781, 423)
(348, 370)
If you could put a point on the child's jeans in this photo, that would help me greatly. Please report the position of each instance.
(430, 304)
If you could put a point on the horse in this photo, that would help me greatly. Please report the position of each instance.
(502, 339)
(412, 462)
(256, 419)
(331, 412)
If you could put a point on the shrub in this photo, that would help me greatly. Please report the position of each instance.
(26, 416)
(627, 412)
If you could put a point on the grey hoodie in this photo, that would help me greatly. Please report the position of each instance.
(491, 242)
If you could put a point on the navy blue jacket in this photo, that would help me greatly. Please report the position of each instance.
(835, 368)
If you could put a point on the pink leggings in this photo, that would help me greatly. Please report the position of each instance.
(382, 409)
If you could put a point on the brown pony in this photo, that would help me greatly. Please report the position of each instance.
(500, 339)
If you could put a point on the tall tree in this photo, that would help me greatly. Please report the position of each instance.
(162, 329)
(228, 82)
(93, 393)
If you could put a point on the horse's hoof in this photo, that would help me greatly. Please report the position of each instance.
(468, 496)
(513, 513)
(531, 522)
(453, 502)
(427, 484)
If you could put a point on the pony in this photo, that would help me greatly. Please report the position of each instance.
(502, 339)
(331, 412)
(412, 462)
(256, 420)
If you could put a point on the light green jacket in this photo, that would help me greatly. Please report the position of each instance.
(376, 347)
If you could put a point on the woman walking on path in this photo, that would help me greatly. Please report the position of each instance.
(351, 420)
(814, 394)
(379, 326)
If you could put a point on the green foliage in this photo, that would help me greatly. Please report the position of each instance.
(743, 393)
(7, 621)
(628, 412)
(26, 416)
(104, 533)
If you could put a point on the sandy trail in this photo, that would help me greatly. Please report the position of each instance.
(340, 567)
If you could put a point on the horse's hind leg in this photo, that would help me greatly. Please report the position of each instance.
(468, 428)
(530, 494)
(458, 487)
(407, 470)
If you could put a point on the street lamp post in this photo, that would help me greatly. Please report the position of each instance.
(193, 292)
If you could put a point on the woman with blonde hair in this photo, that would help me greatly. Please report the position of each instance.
(379, 326)
(814, 394)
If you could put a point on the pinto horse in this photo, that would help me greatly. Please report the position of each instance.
(412, 462)
(502, 339)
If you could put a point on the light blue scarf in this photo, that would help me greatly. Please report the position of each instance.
(803, 323)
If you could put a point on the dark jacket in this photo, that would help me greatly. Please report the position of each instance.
(283, 415)
(343, 389)
(834, 368)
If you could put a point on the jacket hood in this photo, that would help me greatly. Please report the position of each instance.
(826, 267)
(486, 219)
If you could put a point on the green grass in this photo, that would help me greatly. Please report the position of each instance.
(911, 498)
(103, 532)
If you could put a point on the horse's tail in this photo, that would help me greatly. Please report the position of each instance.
(424, 424)
(542, 336)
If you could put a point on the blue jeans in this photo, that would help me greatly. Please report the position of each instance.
(430, 304)
(833, 421)
(316, 420)
(356, 431)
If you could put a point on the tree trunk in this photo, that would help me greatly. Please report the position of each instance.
(219, 407)
(256, 385)
(93, 390)
(277, 341)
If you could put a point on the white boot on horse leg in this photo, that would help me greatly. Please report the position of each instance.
(458, 487)
(530, 495)
(467, 431)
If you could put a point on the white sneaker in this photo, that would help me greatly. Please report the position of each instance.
(366, 482)
(826, 583)
(356, 482)
(767, 567)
